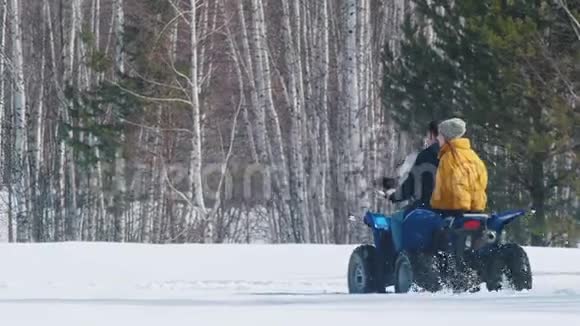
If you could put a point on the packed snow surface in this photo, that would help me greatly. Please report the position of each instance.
(84, 284)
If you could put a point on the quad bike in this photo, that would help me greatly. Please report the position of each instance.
(427, 250)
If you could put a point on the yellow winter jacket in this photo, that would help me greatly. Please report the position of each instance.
(461, 180)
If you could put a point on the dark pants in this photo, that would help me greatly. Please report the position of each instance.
(384, 259)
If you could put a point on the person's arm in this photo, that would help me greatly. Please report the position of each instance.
(427, 185)
(407, 189)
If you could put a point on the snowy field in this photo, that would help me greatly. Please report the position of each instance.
(76, 284)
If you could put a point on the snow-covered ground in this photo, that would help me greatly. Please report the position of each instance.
(80, 284)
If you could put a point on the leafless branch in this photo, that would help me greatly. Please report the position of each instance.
(149, 98)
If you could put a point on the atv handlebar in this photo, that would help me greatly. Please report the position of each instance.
(386, 183)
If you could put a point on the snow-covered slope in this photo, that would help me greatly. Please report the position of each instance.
(84, 284)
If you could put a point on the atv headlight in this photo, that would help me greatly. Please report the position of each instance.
(468, 241)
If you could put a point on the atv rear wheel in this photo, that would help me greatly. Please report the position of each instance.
(361, 278)
(512, 266)
(404, 277)
(426, 271)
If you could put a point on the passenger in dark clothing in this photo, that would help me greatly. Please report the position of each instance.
(419, 184)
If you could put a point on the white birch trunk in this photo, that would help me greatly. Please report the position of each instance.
(324, 126)
(111, 30)
(97, 24)
(60, 214)
(196, 152)
(65, 157)
(146, 228)
(38, 149)
(119, 32)
(82, 82)
(320, 148)
(310, 49)
(245, 58)
(160, 209)
(119, 180)
(302, 69)
(257, 86)
(70, 46)
(365, 102)
(278, 153)
(253, 54)
(209, 69)
(202, 33)
(254, 57)
(2, 71)
(239, 62)
(173, 36)
(351, 104)
(339, 148)
(292, 57)
(19, 152)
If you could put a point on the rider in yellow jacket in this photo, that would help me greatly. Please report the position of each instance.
(461, 180)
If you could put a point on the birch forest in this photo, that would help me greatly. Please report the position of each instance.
(173, 121)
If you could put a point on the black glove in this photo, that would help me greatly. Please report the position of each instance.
(386, 183)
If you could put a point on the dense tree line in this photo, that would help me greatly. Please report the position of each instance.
(174, 120)
(511, 69)
(235, 121)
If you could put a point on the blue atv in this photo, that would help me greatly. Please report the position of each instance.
(427, 250)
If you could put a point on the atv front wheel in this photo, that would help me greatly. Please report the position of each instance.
(404, 278)
(361, 278)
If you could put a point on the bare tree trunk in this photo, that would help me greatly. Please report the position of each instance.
(319, 133)
(38, 151)
(297, 193)
(279, 164)
(146, 228)
(2, 79)
(66, 158)
(257, 101)
(119, 32)
(324, 126)
(254, 53)
(365, 108)
(205, 73)
(196, 140)
(160, 209)
(97, 32)
(119, 180)
(20, 111)
(350, 103)
(62, 209)
(74, 217)
(246, 60)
